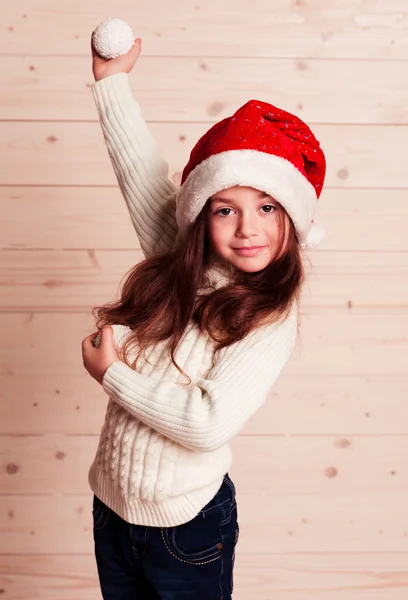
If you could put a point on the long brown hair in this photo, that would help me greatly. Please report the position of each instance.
(160, 295)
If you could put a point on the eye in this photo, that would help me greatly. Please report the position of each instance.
(223, 212)
(269, 208)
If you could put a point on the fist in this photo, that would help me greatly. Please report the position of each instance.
(98, 360)
(103, 67)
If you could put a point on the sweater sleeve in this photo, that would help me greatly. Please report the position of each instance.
(205, 415)
(141, 172)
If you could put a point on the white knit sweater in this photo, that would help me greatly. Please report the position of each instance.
(163, 449)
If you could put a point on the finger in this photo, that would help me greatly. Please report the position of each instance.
(87, 342)
(137, 46)
(107, 333)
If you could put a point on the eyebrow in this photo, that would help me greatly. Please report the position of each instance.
(260, 195)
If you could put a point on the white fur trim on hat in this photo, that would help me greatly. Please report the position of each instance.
(271, 174)
(315, 235)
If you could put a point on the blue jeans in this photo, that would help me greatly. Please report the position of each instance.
(193, 561)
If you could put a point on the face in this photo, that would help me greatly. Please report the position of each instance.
(244, 227)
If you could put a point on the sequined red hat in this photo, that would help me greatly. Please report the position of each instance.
(263, 147)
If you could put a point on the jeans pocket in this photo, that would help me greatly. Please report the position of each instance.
(100, 513)
(199, 541)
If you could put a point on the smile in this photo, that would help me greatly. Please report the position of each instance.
(249, 250)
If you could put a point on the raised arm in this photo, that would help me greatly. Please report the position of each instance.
(204, 416)
(141, 172)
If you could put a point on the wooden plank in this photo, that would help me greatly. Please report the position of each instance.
(69, 280)
(304, 404)
(50, 404)
(81, 217)
(49, 577)
(330, 344)
(351, 522)
(44, 153)
(340, 28)
(96, 217)
(202, 89)
(284, 576)
(75, 279)
(356, 280)
(272, 466)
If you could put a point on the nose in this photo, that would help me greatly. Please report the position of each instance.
(246, 227)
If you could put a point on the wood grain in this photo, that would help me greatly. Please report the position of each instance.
(206, 89)
(339, 28)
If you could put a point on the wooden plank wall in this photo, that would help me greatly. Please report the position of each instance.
(321, 470)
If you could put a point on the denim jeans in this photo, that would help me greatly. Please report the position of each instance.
(193, 561)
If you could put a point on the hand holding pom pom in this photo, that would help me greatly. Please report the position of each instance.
(113, 54)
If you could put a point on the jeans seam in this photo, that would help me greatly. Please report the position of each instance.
(222, 565)
(146, 540)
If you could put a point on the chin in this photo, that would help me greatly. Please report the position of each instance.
(249, 265)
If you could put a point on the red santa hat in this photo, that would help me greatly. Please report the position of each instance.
(263, 147)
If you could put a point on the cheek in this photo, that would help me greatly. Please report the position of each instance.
(272, 230)
(217, 233)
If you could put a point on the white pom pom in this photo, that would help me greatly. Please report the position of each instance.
(314, 236)
(112, 38)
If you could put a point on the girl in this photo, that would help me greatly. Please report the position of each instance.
(202, 329)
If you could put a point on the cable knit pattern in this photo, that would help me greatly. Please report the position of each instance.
(163, 449)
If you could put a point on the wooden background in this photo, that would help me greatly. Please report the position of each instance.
(321, 470)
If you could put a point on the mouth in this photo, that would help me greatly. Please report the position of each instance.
(249, 250)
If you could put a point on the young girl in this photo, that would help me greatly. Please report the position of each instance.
(202, 329)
